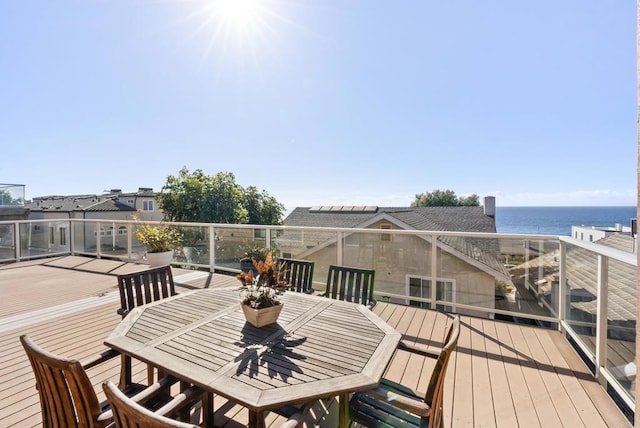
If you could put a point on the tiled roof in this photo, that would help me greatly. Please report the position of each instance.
(439, 219)
(77, 203)
(458, 219)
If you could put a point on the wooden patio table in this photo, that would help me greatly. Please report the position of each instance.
(319, 348)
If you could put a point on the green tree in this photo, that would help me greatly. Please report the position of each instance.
(197, 197)
(262, 208)
(444, 198)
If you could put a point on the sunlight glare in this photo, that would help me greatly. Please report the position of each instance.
(241, 14)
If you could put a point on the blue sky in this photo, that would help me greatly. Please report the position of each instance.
(324, 102)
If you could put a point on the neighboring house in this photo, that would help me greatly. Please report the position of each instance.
(594, 233)
(467, 270)
(116, 206)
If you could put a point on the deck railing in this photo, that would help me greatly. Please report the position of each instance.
(11, 195)
(586, 290)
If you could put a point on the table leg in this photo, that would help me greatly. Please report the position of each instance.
(256, 419)
(207, 409)
(343, 416)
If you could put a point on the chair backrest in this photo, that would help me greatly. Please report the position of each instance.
(351, 284)
(129, 414)
(146, 286)
(435, 390)
(298, 273)
(67, 397)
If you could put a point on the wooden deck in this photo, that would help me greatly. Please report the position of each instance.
(501, 374)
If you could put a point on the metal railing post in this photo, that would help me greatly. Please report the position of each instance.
(562, 285)
(601, 322)
(212, 249)
(434, 271)
(98, 239)
(16, 240)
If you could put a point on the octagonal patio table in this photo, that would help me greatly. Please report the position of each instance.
(319, 348)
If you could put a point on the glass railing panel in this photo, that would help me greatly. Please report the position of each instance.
(621, 324)
(517, 278)
(232, 244)
(533, 267)
(581, 295)
(7, 241)
(44, 238)
(313, 245)
(195, 246)
(398, 260)
(11, 195)
(81, 234)
(114, 239)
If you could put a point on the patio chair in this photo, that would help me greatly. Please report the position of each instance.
(129, 414)
(299, 274)
(139, 288)
(392, 404)
(146, 286)
(67, 397)
(351, 284)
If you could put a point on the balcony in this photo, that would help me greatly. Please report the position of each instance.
(564, 358)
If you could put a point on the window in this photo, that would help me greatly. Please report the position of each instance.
(122, 230)
(421, 287)
(385, 236)
(63, 235)
(37, 228)
(260, 234)
(147, 205)
(52, 235)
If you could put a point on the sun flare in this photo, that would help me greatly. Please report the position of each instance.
(242, 15)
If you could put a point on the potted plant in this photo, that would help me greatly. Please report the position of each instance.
(160, 241)
(258, 254)
(260, 299)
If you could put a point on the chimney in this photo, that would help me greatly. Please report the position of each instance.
(490, 206)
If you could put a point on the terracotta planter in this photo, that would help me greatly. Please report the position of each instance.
(160, 259)
(261, 317)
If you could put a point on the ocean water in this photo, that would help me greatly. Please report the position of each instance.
(558, 220)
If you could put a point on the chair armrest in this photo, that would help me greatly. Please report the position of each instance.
(186, 398)
(409, 404)
(297, 418)
(146, 394)
(99, 359)
(415, 350)
(154, 389)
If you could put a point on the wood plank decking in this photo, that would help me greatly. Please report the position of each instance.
(502, 374)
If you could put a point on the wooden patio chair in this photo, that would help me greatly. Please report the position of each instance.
(299, 274)
(67, 397)
(351, 284)
(129, 414)
(145, 286)
(392, 404)
(139, 288)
